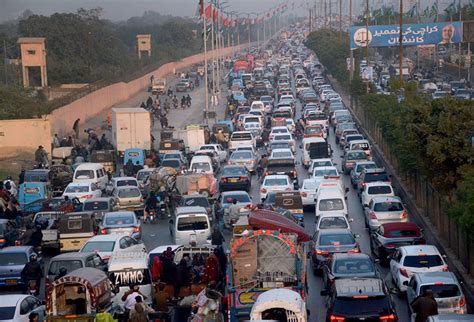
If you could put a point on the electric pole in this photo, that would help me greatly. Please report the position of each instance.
(400, 18)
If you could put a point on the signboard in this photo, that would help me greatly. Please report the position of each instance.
(366, 73)
(413, 35)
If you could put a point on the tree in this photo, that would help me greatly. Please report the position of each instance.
(462, 207)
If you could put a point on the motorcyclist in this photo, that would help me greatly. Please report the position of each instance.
(41, 156)
(188, 100)
(167, 105)
(32, 272)
(234, 210)
(183, 102)
(220, 137)
(175, 102)
(150, 204)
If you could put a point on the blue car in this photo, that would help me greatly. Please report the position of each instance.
(135, 155)
(12, 261)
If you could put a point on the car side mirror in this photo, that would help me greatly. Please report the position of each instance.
(356, 236)
(324, 293)
(351, 219)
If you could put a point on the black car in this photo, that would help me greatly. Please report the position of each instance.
(348, 266)
(193, 200)
(234, 177)
(360, 299)
(327, 242)
(390, 236)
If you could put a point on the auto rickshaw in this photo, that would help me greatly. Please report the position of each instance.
(170, 145)
(76, 228)
(137, 156)
(104, 157)
(292, 202)
(79, 295)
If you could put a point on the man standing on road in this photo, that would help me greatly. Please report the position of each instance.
(216, 237)
(262, 164)
(75, 128)
(424, 306)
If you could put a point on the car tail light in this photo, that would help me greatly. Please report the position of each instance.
(388, 318)
(103, 231)
(224, 180)
(106, 259)
(230, 162)
(250, 162)
(265, 174)
(355, 250)
(445, 268)
(335, 318)
(293, 173)
(2, 241)
(303, 194)
(403, 271)
(137, 229)
(462, 302)
(390, 246)
(373, 216)
(263, 190)
(87, 196)
(404, 215)
(320, 252)
(243, 178)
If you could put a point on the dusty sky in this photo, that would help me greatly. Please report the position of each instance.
(124, 9)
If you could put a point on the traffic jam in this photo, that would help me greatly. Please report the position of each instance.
(278, 212)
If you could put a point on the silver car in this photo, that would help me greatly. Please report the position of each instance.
(122, 223)
(244, 158)
(129, 198)
(381, 210)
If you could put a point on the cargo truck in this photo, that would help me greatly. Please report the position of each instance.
(131, 129)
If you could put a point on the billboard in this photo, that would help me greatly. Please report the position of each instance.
(413, 34)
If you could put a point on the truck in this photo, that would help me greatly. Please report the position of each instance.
(131, 128)
(262, 260)
(241, 65)
(193, 136)
(158, 86)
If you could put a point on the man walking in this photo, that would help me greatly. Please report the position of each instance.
(425, 306)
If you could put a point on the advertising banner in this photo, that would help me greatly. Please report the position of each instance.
(413, 35)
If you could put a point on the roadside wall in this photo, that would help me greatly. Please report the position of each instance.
(24, 136)
(96, 102)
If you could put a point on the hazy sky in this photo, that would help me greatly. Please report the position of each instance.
(124, 9)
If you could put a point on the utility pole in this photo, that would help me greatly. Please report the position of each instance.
(325, 13)
(258, 33)
(5, 60)
(367, 41)
(340, 20)
(351, 71)
(206, 90)
(400, 18)
(248, 24)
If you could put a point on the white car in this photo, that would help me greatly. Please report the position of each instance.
(17, 307)
(120, 182)
(308, 191)
(275, 183)
(82, 191)
(278, 130)
(217, 148)
(376, 189)
(282, 154)
(333, 221)
(326, 162)
(287, 138)
(105, 245)
(325, 172)
(408, 260)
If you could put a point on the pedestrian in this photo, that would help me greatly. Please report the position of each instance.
(139, 312)
(161, 298)
(75, 128)
(21, 176)
(183, 277)
(41, 157)
(216, 237)
(156, 269)
(149, 101)
(424, 306)
(262, 164)
(129, 297)
(211, 270)
(70, 141)
(33, 317)
(137, 167)
(56, 142)
(103, 315)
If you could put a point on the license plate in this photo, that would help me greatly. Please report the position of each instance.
(130, 209)
(233, 180)
(11, 282)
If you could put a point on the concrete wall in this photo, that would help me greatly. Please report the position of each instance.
(24, 136)
(96, 102)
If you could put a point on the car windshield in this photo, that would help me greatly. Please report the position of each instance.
(336, 239)
(356, 156)
(282, 155)
(388, 206)
(171, 156)
(142, 175)
(354, 306)
(129, 193)
(192, 223)
(333, 222)
(77, 189)
(423, 261)
(282, 137)
(325, 172)
(310, 185)
(241, 155)
(379, 190)
(279, 131)
(402, 233)
(313, 130)
(372, 177)
(322, 164)
(331, 204)
(171, 163)
(96, 205)
(119, 220)
(442, 290)
(202, 202)
(98, 246)
(7, 313)
(84, 174)
(363, 166)
(69, 265)
(243, 198)
(12, 259)
(279, 145)
(123, 183)
(201, 166)
(275, 182)
(234, 171)
(353, 266)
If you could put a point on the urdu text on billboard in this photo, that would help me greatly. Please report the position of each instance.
(413, 35)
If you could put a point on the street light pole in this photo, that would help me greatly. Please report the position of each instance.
(367, 42)
(401, 40)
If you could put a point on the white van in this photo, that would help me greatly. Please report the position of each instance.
(191, 226)
(331, 200)
(126, 268)
(239, 138)
(257, 106)
(201, 164)
(314, 148)
(93, 173)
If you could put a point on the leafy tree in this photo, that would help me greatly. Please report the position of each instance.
(462, 207)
